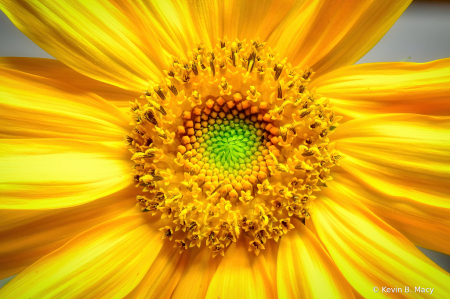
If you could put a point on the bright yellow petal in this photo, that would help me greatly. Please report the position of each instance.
(98, 39)
(375, 88)
(305, 270)
(180, 25)
(55, 173)
(204, 18)
(425, 225)
(403, 155)
(329, 34)
(172, 25)
(56, 70)
(370, 253)
(253, 19)
(163, 275)
(270, 253)
(107, 261)
(241, 275)
(37, 107)
(29, 235)
(356, 294)
(197, 275)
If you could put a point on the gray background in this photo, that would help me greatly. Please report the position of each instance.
(422, 33)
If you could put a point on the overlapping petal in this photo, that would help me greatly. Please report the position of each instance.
(86, 33)
(305, 270)
(270, 253)
(370, 253)
(391, 87)
(99, 39)
(329, 34)
(163, 275)
(252, 19)
(403, 155)
(425, 225)
(107, 261)
(28, 235)
(173, 26)
(181, 24)
(55, 173)
(197, 275)
(37, 107)
(241, 275)
(56, 70)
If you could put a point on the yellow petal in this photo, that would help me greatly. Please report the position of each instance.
(28, 235)
(101, 40)
(172, 25)
(305, 270)
(241, 274)
(37, 107)
(180, 25)
(56, 70)
(203, 20)
(163, 275)
(197, 275)
(356, 294)
(253, 19)
(425, 225)
(107, 261)
(370, 253)
(403, 155)
(55, 173)
(270, 253)
(376, 88)
(326, 35)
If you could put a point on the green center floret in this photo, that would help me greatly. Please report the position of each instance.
(231, 145)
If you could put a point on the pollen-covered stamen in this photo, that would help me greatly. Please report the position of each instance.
(222, 149)
(251, 61)
(280, 92)
(278, 68)
(256, 246)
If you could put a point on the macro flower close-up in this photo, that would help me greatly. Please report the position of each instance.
(220, 149)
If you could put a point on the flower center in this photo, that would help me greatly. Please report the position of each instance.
(226, 149)
(231, 145)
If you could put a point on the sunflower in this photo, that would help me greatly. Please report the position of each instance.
(220, 149)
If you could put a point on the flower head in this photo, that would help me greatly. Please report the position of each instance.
(263, 164)
(230, 148)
